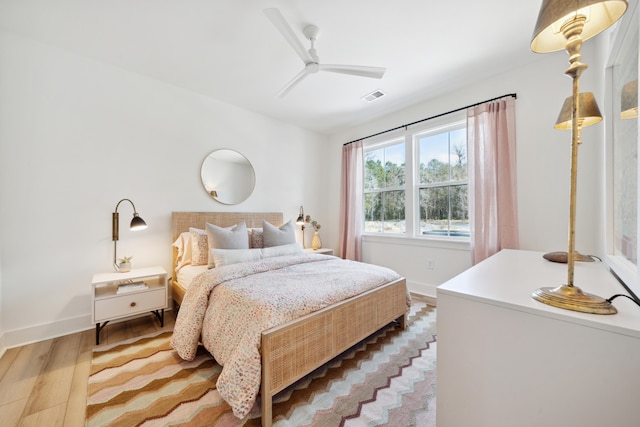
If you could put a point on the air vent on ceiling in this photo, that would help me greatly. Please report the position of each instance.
(376, 94)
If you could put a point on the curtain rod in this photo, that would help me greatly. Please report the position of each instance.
(432, 117)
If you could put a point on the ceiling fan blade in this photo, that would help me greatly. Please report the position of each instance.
(355, 70)
(276, 18)
(297, 79)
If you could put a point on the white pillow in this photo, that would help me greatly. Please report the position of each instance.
(183, 244)
(289, 249)
(222, 257)
(226, 238)
(276, 236)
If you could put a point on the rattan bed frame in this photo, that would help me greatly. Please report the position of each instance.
(296, 348)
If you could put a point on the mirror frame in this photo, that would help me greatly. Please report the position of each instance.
(227, 176)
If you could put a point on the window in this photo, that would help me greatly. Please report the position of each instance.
(384, 189)
(442, 182)
(417, 184)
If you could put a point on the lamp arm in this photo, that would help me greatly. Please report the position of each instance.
(132, 205)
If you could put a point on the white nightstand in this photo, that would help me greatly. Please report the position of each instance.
(323, 251)
(108, 304)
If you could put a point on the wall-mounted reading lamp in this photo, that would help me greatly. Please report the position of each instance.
(300, 222)
(137, 223)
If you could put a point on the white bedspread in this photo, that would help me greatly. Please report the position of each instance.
(256, 296)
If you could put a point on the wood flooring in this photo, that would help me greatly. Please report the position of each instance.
(45, 383)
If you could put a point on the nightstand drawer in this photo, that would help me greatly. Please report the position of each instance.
(127, 305)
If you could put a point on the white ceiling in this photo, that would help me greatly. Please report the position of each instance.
(229, 50)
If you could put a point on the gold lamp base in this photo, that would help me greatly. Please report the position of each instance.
(572, 298)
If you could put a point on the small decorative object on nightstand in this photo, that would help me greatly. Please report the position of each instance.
(316, 243)
(120, 295)
(124, 264)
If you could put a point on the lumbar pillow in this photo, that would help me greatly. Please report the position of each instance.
(274, 236)
(224, 257)
(223, 238)
(289, 249)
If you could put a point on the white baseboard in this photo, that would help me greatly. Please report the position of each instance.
(422, 288)
(35, 333)
(31, 334)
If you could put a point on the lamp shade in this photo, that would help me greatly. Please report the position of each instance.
(599, 14)
(137, 223)
(300, 220)
(588, 112)
(629, 100)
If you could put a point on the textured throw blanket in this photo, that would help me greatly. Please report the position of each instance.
(256, 296)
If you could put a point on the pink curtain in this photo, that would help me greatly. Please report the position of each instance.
(351, 201)
(493, 206)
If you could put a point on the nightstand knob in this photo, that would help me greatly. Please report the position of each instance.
(133, 304)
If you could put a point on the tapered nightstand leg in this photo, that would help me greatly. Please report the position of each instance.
(98, 329)
(160, 316)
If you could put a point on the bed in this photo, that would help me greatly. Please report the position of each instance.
(290, 350)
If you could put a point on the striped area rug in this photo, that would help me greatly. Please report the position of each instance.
(388, 379)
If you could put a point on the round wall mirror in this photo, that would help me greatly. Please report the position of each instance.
(227, 176)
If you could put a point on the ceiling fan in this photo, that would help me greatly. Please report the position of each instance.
(310, 58)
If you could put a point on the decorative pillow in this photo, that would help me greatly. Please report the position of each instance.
(274, 236)
(289, 249)
(224, 257)
(199, 247)
(183, 244)
(256, 238)
(226, 238)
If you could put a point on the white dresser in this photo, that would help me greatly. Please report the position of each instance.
(505, 359)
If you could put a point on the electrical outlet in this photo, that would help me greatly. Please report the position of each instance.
(430, 264)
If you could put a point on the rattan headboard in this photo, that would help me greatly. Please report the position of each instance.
(181, 221)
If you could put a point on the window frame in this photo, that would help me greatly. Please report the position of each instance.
(388, 143)
(412, 186)
(434, 130)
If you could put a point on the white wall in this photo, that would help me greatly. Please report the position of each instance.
(76, 136)
(543, 165)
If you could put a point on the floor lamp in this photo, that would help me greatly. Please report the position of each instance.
(565, 24)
